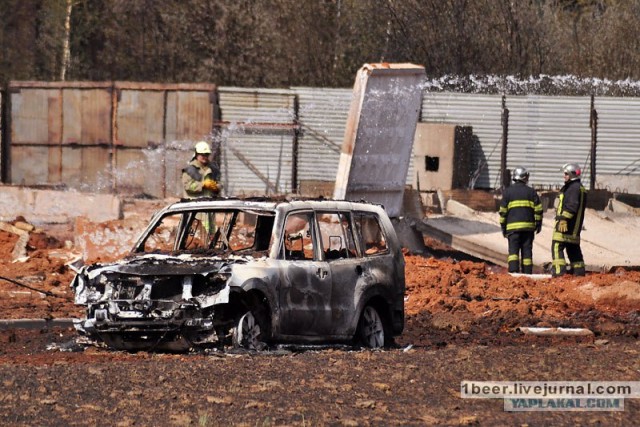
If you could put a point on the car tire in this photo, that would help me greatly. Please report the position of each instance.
(247, 333)
(372, 332)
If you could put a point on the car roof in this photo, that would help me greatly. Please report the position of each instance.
(271, 204)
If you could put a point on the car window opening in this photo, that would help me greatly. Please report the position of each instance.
(211, 232)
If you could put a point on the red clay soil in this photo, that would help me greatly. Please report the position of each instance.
(445, 299)
(45, 270)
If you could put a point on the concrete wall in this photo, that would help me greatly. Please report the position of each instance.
(51, 206)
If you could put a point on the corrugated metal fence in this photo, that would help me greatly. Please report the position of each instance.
(256, 140)
(134, 138)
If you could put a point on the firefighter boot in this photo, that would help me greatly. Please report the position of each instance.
(578, 268)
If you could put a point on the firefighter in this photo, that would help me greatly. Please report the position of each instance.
(199, 179)
(520, 217)
(572, 202)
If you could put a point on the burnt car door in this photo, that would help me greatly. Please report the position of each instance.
(340, 252)
(305, 280)
(374, 266)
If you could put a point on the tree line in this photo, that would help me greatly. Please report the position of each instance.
(318, 43)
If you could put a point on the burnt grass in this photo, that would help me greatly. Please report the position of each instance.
(407, 385)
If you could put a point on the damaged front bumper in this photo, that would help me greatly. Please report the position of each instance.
(120, 315)
(133, 310)
(168, 325)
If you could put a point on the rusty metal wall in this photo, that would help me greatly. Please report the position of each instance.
(36, 125)
(133, 138)
(139, 134)
(156, 128)
(256, 140)
(60, 135)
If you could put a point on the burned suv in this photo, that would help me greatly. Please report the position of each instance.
(248, 272)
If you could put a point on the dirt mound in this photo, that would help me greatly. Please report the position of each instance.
(7, 243)
(446, 297)
(42, 268)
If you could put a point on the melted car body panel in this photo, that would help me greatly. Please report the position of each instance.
(306, 269)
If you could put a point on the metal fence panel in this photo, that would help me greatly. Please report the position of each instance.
(618, 146)
(189, 115)
(323, 116)
(256, 140)
(46, 118)
(546, 132)
(376, 152)
(483, 113)
(86, 116)
(66, 129)
(101, 145)
(157, 128)
(36, 116)
(140, 117)
(256, 164)
(255, 106)
(23, 161)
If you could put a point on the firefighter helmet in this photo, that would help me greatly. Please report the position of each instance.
(520, 174)
(202, 147)
(572, 170)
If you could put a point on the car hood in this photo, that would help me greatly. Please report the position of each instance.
(162, 265)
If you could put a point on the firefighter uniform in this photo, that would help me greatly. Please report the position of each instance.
(193, 180)
(520, 217)
(567, 228)
(200, 180)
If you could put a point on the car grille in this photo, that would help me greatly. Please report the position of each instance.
(127, 288)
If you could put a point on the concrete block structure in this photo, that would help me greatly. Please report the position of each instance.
(442, 156)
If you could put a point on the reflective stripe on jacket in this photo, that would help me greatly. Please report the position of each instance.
(571, 206)
(520, 208)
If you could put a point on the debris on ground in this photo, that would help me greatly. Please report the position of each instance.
(449, 296)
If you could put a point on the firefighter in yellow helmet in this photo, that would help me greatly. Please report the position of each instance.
(200, 177)
(568, 224)
(520, 217)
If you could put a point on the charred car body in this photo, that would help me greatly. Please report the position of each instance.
(249, 272)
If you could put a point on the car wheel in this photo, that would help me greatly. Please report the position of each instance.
(247, 333)
(371, 330)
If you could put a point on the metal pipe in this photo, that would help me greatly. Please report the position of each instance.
(296, 134)
(115, 99)
(60, 139)
(593, 124)
(504, 179)
(165, 103)
(4, 135)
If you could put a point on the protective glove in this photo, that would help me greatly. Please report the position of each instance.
(538, 228)
(210, 185)
(563, 227)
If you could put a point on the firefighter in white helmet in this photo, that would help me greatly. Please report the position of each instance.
(200, 177)
(520, 217)
(568, 224)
